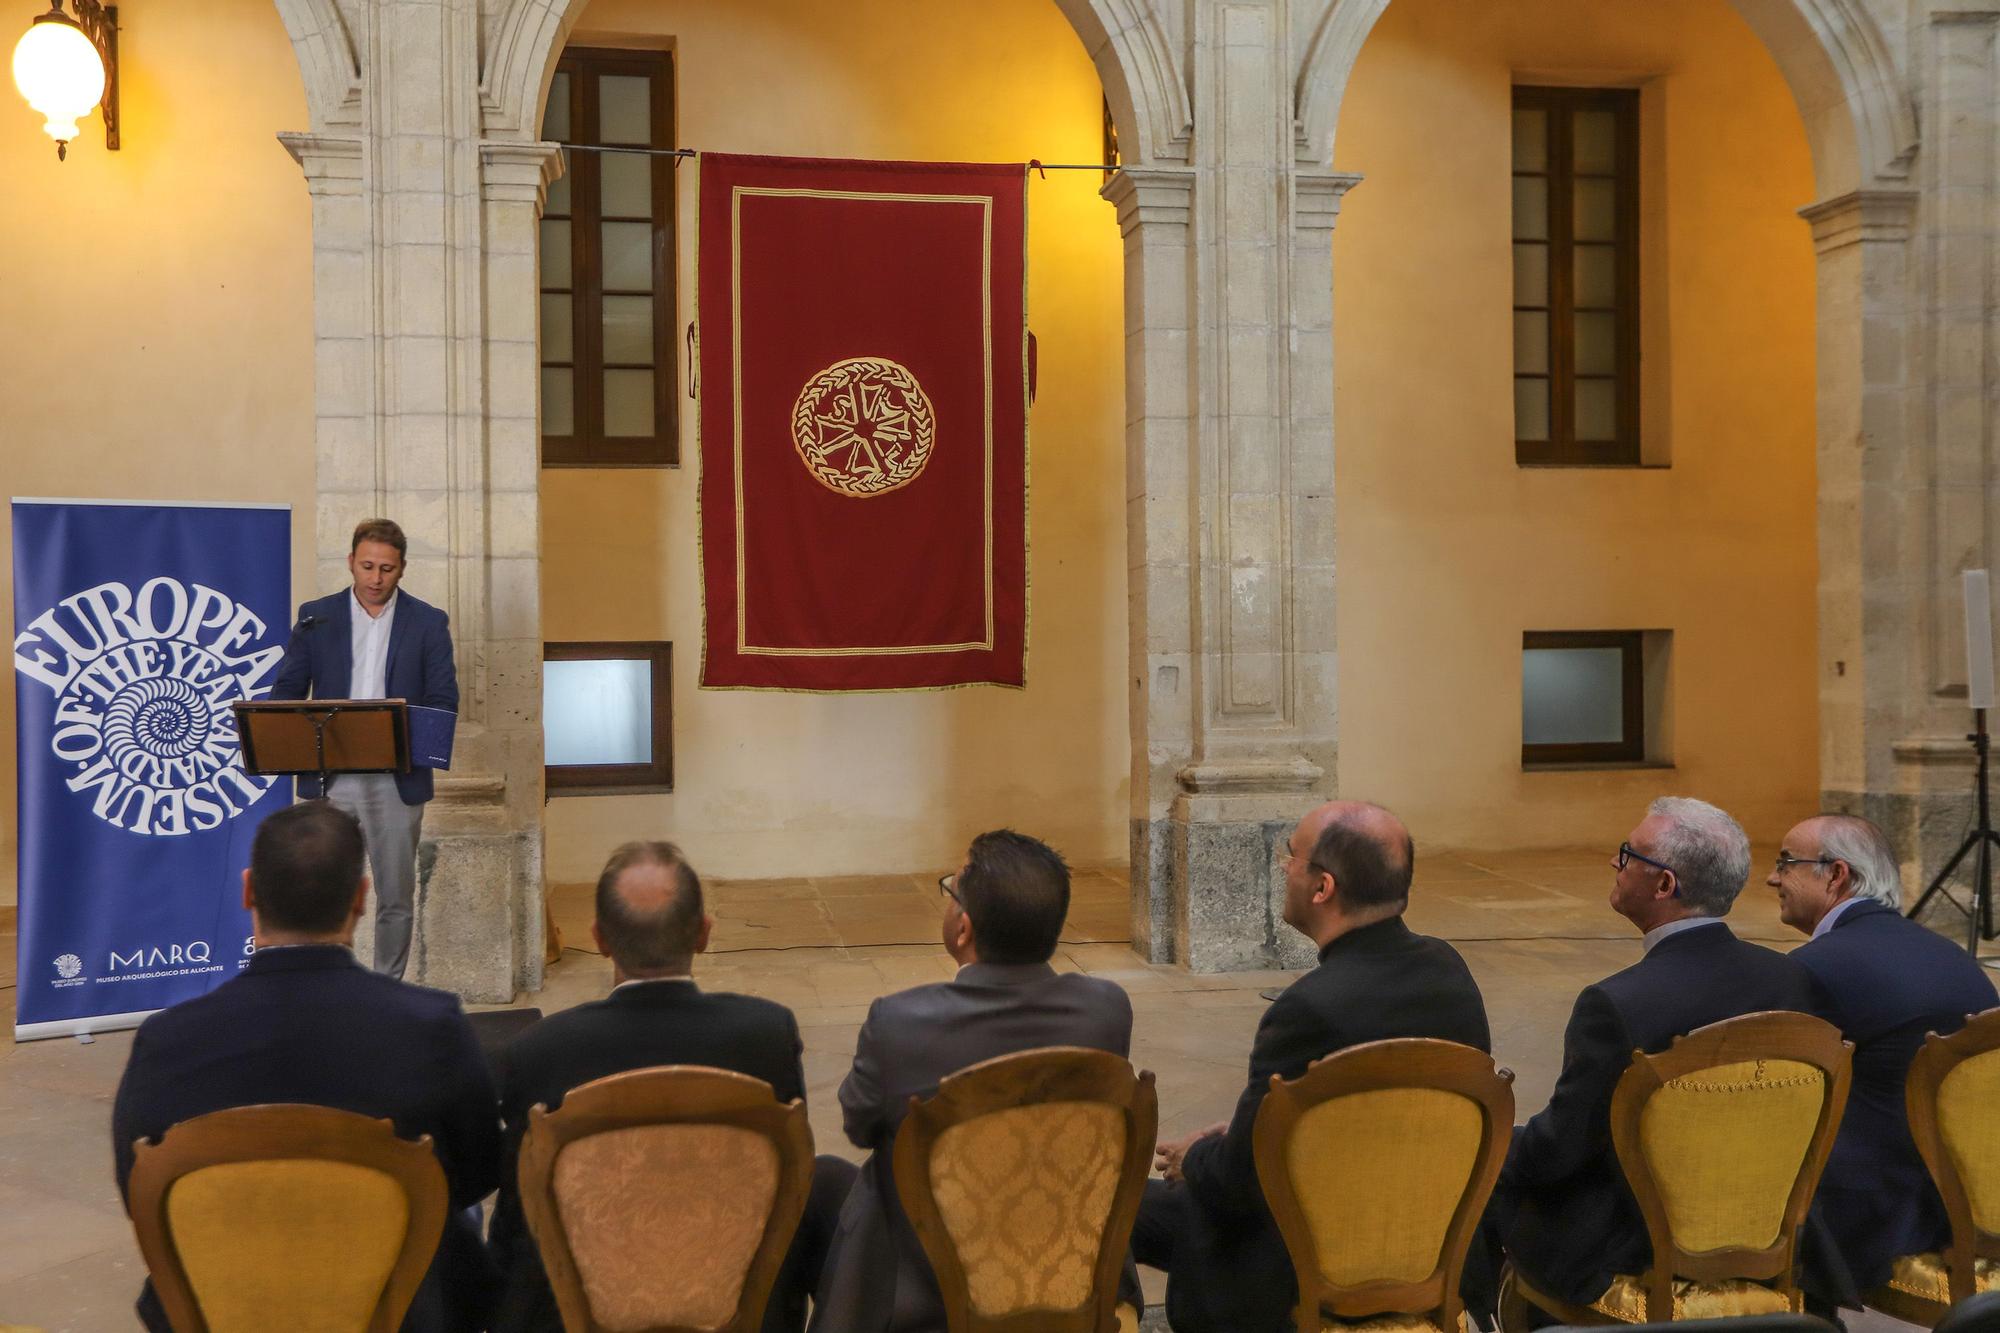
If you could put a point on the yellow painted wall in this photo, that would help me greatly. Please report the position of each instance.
(156, 302)
(1448, 551)
(775, 784)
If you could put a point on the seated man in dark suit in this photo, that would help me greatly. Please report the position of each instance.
(304, 1022)
(1885, 982)
(1562, 1207)
(1003, 916)
(650, 923)
(1347, 880)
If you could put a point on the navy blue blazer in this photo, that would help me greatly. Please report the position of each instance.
(319, 664)
(310, 1024)
(1231, 1273)
(1568, 1218)
(635, 1027)
(1885, 982)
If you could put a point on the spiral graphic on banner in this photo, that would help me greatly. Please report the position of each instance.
(864, 426)
(164, 717)
(143, 681)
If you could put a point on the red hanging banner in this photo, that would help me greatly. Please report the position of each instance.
(864, 392)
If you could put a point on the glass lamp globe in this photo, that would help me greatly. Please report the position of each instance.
(59, 71)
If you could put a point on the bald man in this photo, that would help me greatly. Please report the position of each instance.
(1347, 881)
(1885, 982)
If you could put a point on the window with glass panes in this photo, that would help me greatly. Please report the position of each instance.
(1576, 275)
(608, 372)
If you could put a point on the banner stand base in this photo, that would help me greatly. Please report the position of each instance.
(80, 1027)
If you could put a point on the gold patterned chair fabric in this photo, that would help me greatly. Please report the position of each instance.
(1022, 1178)
(217, 1205)
(1377, 1163)
(1722, 1137)
(1952, 1097)
(664, 1199)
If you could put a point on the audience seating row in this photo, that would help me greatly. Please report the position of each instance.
(1022, 1178)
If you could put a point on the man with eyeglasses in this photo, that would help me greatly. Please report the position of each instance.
(1885, 981)
(1003, 916)
(1562, 1208)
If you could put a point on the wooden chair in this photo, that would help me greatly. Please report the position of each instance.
(1953, 1099)
(1022, 1179)
(663, 1199)
(1377, 1164)
(1722, 1138)
(295, 1217)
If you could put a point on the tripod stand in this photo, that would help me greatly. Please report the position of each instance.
(1979, 915)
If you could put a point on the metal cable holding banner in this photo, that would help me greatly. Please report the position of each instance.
(1033, 164)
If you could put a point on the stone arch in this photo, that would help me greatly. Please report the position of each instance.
(327, 62)
(1135, 63)
(1858, 116)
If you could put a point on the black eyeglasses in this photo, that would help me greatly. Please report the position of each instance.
(1625, 853)
(1786, 861)
(945, 883)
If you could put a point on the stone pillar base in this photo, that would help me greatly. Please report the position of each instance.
(1207, 887)
(1926, 818)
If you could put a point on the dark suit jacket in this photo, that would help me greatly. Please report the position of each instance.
(1231, 1273)
(319, 664)
(1885, 982)
(876, 1276)
(1574, 1223)
(309, 1024)
(635, 1027)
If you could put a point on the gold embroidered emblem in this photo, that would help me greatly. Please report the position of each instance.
(863, 426)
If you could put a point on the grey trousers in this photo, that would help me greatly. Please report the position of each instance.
(392, 830)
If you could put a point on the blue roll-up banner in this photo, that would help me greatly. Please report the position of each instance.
(135, 627)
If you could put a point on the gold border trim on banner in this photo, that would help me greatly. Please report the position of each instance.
(985, 203)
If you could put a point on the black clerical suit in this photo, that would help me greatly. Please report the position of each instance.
(1227, 1269)
(1885, 982)
(309, 1024)
(641, 1024)
(1562, 1206)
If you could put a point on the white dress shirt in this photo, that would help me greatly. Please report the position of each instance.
(1833, 915)
(1658, 933)
(370, 642)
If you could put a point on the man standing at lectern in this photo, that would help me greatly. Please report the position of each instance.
(374, 642)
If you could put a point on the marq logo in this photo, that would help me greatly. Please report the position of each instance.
(173, 955)
(143, 683)
(68, 966)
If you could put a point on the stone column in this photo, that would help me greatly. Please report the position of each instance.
(1229, 436)
(420, 384)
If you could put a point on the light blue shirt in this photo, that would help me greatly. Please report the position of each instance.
(1658, 933)
(369, 643)
(1833, 914)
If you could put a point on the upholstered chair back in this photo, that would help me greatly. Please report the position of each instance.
(1022, 1178)
(1377, 1163)
(664, 1199)
(295, 1217)
(1953, 1100)
(1723, 1137)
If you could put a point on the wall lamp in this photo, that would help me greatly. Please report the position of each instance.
(66, 67)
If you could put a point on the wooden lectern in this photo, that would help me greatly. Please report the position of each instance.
(326, 737)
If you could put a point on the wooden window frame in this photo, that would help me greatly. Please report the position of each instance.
(1562, 447)
(1631, 747)
(621, 779)
(588, 445)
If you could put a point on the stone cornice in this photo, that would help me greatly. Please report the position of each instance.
(1151, 195)
(332, 162)
(1317, 196)
(518, 171)
(1250, 777)
(1861, 215)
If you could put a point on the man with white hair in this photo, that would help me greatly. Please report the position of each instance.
(1885, 981)
(1562, 1208)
